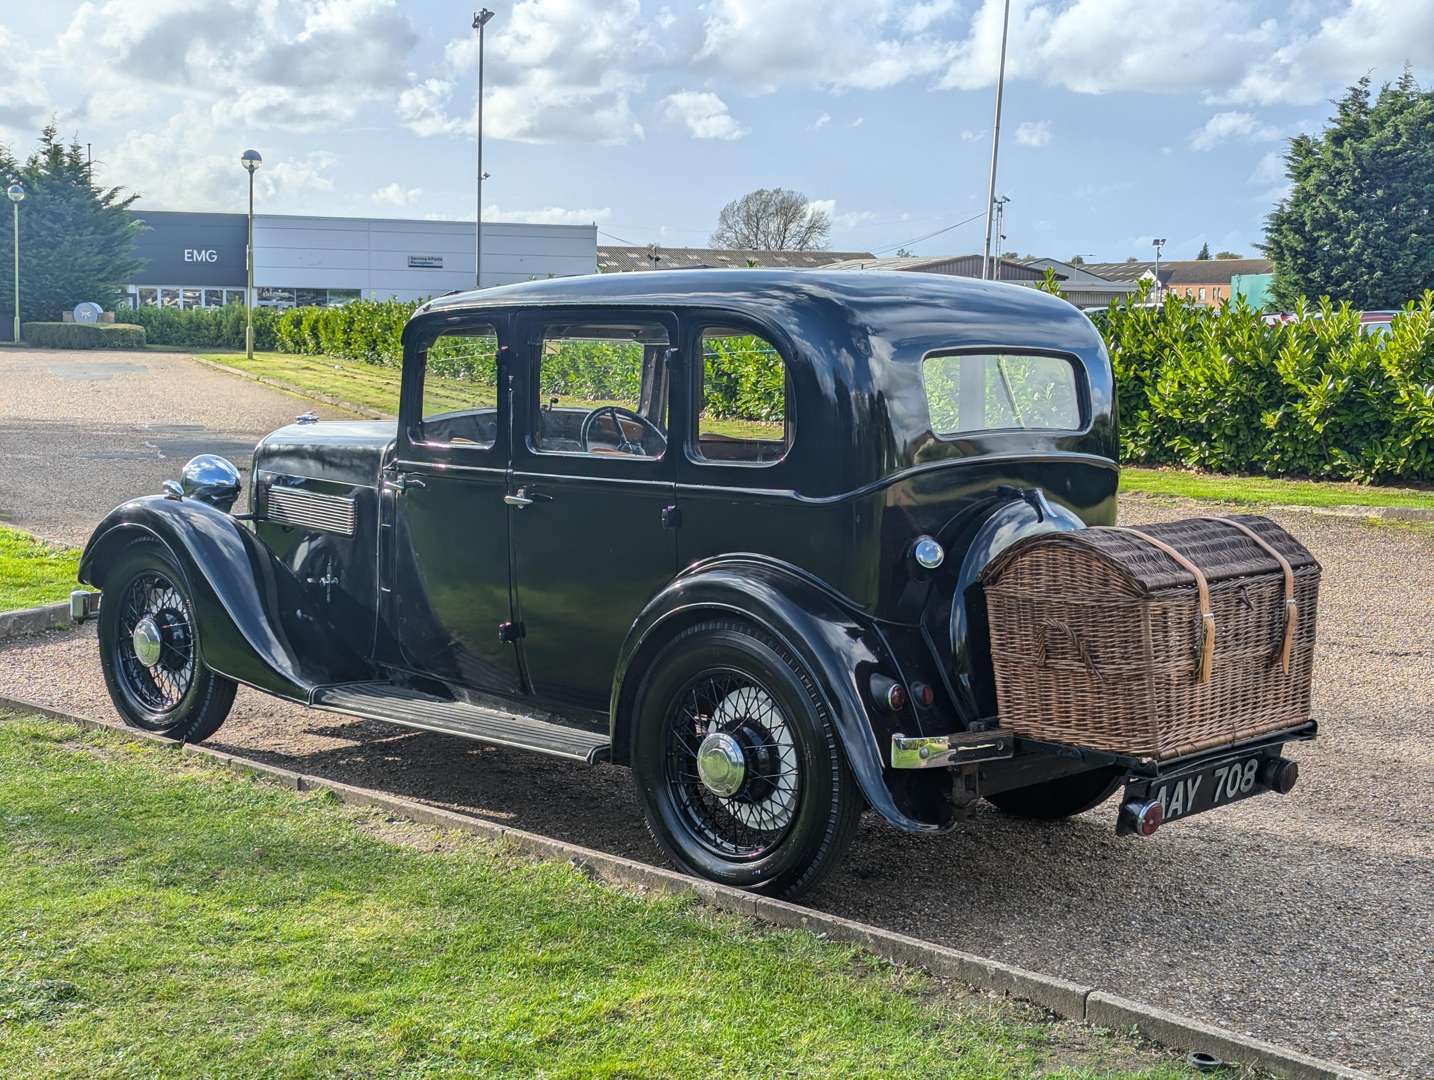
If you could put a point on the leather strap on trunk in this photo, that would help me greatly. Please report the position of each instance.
(1292, 610)
(1202, 592)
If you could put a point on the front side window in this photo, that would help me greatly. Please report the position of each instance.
(742, 416)
(460, 389)
(602, 390)
(973, 392)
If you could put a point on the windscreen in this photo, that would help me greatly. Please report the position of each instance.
(972, 392)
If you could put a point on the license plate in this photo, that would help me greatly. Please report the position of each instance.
(1206, 787)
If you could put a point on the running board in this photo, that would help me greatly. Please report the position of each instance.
(399, 705)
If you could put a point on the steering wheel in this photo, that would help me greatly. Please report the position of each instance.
(624, 445)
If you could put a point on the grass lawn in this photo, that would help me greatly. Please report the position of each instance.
(33, 572)
(162, 917)
(377, 387)
(1257, 490)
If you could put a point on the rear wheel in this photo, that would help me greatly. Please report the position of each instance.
(1062, 797)
(149, 649)
(738, 768)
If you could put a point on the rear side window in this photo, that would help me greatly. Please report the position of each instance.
(970, 392)
(743, 416)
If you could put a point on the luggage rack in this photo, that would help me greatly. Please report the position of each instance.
(1149, 767)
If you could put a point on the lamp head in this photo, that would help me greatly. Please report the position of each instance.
(16, 191)
(480, 18)
(251, 160)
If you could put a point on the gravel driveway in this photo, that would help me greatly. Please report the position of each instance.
(81, 432)
(1305, 920)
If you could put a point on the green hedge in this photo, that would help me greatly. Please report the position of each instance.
(1218, 389)
(69, 335)
(1202, 387)
(201, 328)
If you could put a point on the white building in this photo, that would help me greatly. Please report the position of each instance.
(197, 259)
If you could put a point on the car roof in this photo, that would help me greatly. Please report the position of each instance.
(882, 295)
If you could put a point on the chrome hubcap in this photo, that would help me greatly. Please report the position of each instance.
(721, 765)
(148, 641)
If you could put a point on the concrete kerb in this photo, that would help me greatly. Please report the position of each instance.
(35, 620)
(1060, 996)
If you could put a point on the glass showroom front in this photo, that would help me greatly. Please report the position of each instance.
(185, 297)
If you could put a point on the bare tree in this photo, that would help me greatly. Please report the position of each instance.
(772, 219)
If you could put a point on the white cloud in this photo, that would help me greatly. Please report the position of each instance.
(396, 194)
(1224, 126)
(555, 71)
(843, 44)
(703, 113)
(305, 65)
(24, 104)
(821, 121)
(1365, 36)
(548, 215)
(1033, 133)
(971, 136)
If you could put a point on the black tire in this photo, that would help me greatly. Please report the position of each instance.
(177, 697)
(1063, 797)
(798, 807)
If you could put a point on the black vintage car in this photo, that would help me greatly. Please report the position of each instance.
(722, 527)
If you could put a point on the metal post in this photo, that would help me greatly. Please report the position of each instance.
(995, 143)
(1000, 239)
(1159, 291)
(17, 271)
(480, 20)
(249, 277)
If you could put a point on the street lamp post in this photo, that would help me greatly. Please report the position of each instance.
(480, 20)
(995, 143)
(251, 160)
(1159, 244)
(16, 191)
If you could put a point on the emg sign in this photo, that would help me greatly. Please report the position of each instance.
(201, 255)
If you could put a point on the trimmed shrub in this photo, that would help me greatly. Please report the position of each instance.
(70, 335)
(1218, 389)
(201, 328)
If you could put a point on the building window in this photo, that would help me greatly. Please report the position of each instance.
(1202, 292)
(339, 297)
(233, 296)
(310, 297)
(148, 296)
(271, 296)
(169, 298)
(213, 297)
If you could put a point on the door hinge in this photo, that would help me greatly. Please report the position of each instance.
(671, 517)
(509, 632)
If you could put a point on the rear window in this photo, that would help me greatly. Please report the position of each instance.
(969, 392)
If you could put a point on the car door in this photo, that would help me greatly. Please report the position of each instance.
(592, 489)
(449, 577)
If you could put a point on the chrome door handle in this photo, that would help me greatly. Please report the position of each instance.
(525, 497)
(403, 481)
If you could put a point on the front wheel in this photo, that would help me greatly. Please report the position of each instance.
(738, 768)
(149, 649)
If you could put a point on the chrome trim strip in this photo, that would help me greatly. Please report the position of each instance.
(310, 510)
(938, 751)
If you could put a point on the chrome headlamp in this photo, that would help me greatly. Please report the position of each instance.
(211, 479)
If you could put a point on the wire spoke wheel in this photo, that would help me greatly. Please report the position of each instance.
(732, 764)
(155, 644)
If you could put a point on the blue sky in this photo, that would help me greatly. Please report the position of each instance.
(1125, 119)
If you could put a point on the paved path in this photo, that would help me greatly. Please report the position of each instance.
(81, 432)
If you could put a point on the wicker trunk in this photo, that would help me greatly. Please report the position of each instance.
(1155, 642)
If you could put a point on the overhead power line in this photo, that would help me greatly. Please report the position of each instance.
(931, 235)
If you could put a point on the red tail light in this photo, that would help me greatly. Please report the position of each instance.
(1144, 817)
